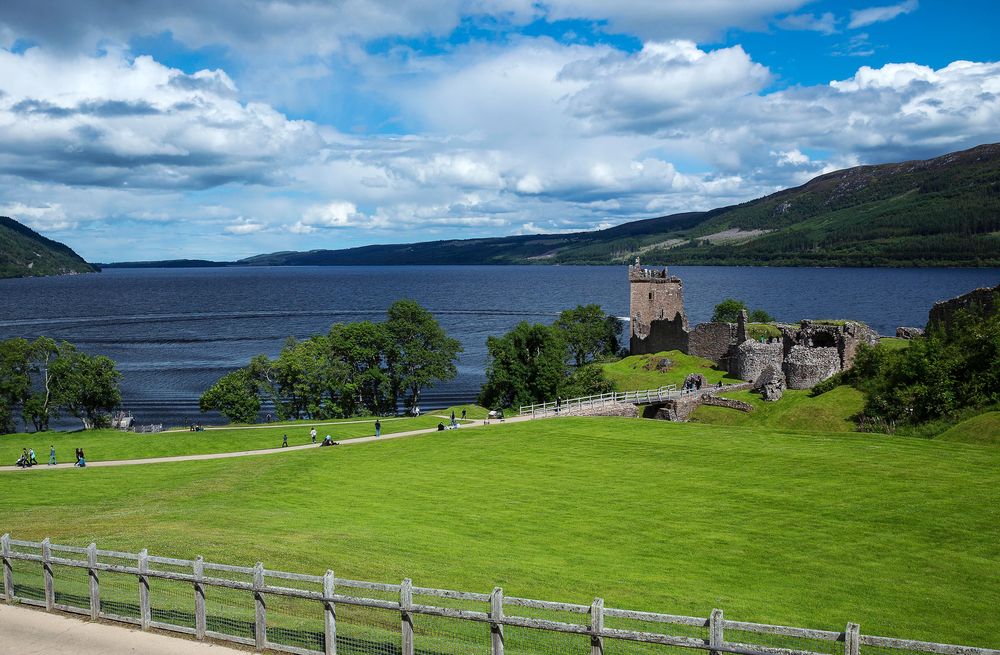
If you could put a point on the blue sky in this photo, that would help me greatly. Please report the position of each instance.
(226, 129)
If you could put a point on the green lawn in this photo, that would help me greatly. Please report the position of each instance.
(813, 530)
(104, 445)
(797, 410)
(639, 371)
(982, 429)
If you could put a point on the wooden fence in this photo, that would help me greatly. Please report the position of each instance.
(310, 614)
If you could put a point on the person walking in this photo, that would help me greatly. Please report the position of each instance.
(558, 404)
(284, 441)
(312, 433)
(31, 457)
(378, 429)
(52, 455)
(463, 414)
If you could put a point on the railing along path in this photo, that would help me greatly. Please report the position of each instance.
(571, 405)
(324, 614)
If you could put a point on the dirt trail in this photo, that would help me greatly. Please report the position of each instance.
(247, 453)
(36, 632)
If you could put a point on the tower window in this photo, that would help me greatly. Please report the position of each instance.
(650, 295)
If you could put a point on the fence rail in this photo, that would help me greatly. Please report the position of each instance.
(568, 406)
(324, 615)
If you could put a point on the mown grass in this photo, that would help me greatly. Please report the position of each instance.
(639, 371)
(982, 429)
(813, 530)
(832, 411)
(105, 445)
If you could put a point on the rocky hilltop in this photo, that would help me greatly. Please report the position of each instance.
(26, 253)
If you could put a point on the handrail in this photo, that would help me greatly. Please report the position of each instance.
(638, 397)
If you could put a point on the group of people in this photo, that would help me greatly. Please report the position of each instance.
(196, 427)
(327, 440)
(28, 459)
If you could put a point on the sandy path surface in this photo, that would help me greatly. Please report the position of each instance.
(248, 453)
(25, 631)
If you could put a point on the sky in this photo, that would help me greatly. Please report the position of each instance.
(149, 130)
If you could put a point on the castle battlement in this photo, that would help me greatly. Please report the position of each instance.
(638, 273)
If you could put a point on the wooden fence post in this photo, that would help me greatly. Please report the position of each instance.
(144, 612)
(8, 569)
(852, 639)
(715, 635)
(496, 618)
(95, 583)
(50, 597)
(200, 619)
(260, 623)
(597, 627)
(330, 612)
(405, 603)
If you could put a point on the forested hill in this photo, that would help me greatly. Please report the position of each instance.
(25, 253)
(937, 212)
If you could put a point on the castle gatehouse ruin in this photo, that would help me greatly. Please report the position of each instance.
(803, 356)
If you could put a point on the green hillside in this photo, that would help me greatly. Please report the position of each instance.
(25, 253)
(937, 212)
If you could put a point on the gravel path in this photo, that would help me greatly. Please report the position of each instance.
(37, 632)
(248, 453)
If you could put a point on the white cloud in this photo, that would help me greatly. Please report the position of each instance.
(44, 217)
(872, 15)
(242, 226)
(790, 157)
(825, 23)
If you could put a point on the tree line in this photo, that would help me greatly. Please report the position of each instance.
(362, 368)
(44, 379)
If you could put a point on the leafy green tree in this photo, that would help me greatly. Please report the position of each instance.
(525, 366)
(728, 311)
(588, 380)
(419, 352)
(589, 333)
(86, 386)
(361, 347)
(235, 395)
(15, 380)
(40, 405)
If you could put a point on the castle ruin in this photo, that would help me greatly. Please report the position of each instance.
(656, 311)
(804, 355)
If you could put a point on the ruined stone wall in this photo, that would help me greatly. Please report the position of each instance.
(853, 335)
(806, 367)
(627, 410)
(981, 301)
(712, 341)
(749, 359)
(660, 336)
(730, 403)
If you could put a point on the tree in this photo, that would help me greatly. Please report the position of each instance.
(525, 366)
(235, 395)
(419, 352)
(589, 333)
(728, 311)
(361, 347)
(86, 386)
(15, 380)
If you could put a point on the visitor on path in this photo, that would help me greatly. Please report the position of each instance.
(81, 460)
(23, 461)
(416, 411)
(52, 455)
(31, 457)
(312, 433)
(378, 429)
(440, 427)
(284, 441)
(558, 404)
(500, 414)
(328, 441)
(463, 414)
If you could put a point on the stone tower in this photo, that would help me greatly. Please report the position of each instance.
(656, 309)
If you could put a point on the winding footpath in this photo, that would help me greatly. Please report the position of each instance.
(267, 451)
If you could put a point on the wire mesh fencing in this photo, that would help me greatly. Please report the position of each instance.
(306, 614)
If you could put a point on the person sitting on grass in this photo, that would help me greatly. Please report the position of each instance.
(328, 441)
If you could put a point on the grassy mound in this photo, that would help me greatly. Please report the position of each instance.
(797, 410)
(640, 371)
(982, 429)
(899, 534)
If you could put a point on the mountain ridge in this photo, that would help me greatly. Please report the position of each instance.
(26, 253)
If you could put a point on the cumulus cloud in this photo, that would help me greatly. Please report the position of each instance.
(872, 15)
(242, 226)
(110, 121)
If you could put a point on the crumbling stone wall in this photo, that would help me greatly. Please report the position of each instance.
(771, 384)
(749, 359)
(712, 341)
(805, 367)
(627, 410)
(980, 301)
(909, 332)
(730, 403)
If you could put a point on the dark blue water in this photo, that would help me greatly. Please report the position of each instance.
(174, 332)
